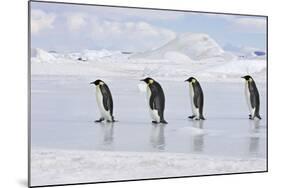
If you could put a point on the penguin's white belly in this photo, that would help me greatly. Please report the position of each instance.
(247, 94)
(153, 113)
(195, 111)
(105, 114)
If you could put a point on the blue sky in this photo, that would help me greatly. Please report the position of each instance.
(65, 28)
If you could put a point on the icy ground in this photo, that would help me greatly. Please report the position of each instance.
(68, 147)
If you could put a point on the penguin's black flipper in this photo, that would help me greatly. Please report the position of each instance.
(156, 104)
(253, 100)
(254, 96)
(107, 98)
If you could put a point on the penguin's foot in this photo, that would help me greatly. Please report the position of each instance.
(164, 122)
(253, 117)
(154, 122)
(191, 117)
(99, 120)
(109, 121)
(198, 118)
(202, 118)
(258, 116)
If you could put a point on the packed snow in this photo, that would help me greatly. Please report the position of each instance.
(60, 166)
(68, 147)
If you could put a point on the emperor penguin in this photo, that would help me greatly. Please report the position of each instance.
(252, 97)
(104, 101)
(156, 100)
(196, 99)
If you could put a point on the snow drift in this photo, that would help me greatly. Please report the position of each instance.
(173, 66)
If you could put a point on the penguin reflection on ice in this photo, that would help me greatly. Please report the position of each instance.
(196, 99)
(252, 97)
(254, 140)
(198, 136)
(157, 138)
(104, 101)
(156, 100)
(107, 130)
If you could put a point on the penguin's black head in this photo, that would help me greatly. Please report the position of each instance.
(191, 79)
(247, 77)
(97, 82)
(148, 80)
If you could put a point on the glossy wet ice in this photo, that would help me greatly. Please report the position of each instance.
(63, 110)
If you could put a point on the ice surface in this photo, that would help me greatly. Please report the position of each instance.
(64, 110)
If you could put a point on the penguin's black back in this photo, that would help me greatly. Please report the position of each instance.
(198, 98)
(157, 98)
(107, 98)
(254, 96)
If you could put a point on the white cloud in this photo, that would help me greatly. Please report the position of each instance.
(75, 20)
(129, 35)
(41, 20)
(252, 24)
(226, 17)
(243, 23)
(148, 15)
(125, 14)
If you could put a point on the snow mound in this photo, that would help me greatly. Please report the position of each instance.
(42, 56)
(96, 54)
(177, 57)
(195, 46)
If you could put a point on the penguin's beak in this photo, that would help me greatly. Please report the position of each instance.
(243, 77)
(142, 80)
(186, 80)
(92, 82)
